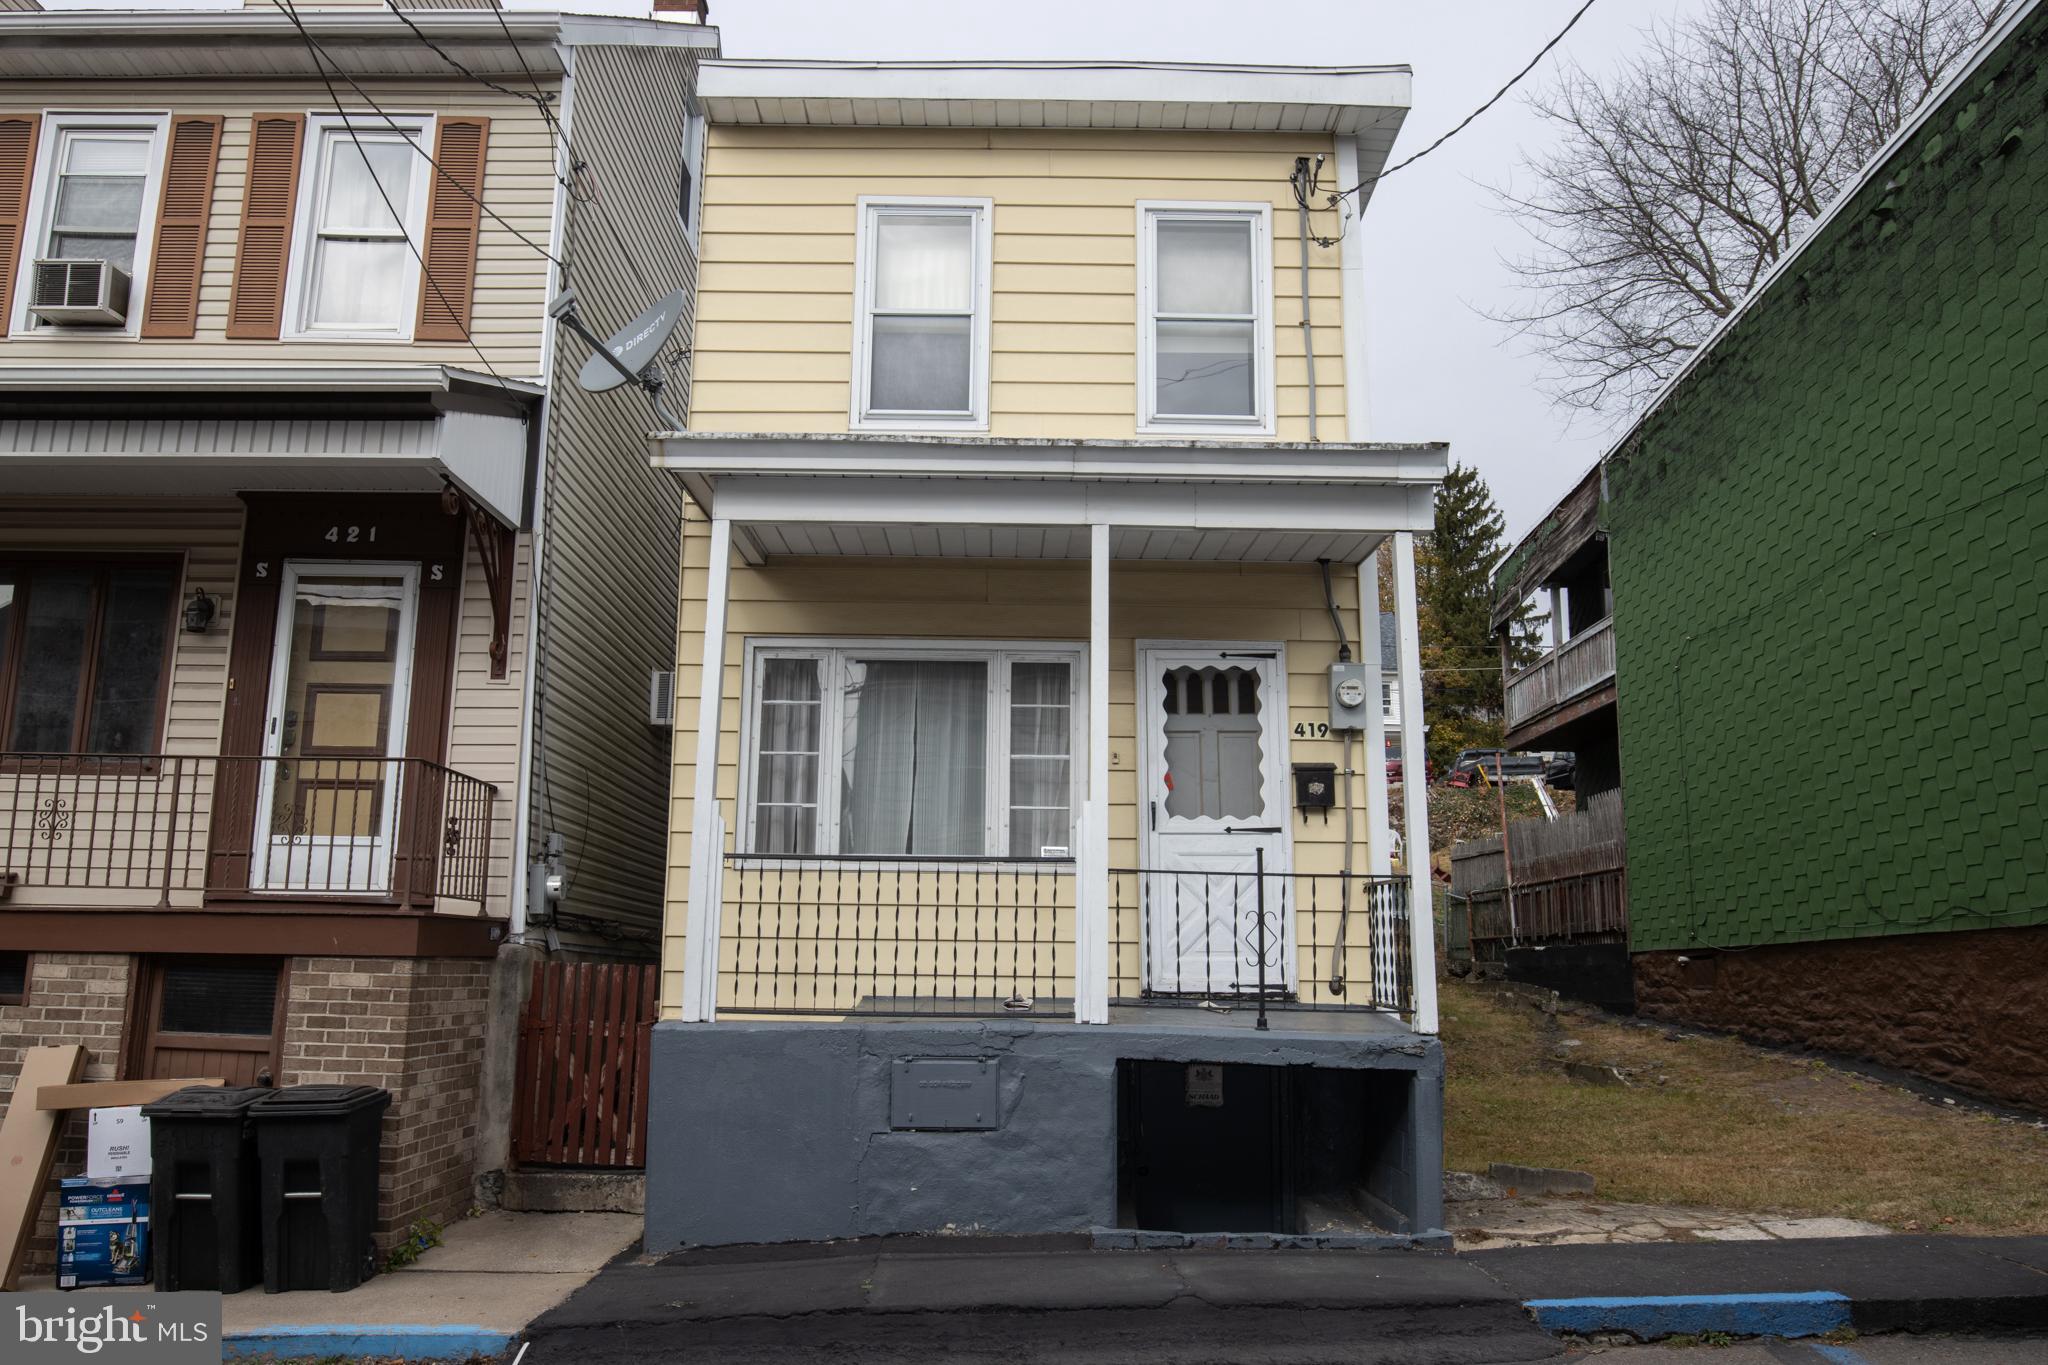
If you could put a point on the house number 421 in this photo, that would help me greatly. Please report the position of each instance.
(350, 535)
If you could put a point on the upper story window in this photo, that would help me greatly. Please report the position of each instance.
(921, 334)
(94, 199)
(1205, 328)
(362, 207)
(85, 648)
(690, 202)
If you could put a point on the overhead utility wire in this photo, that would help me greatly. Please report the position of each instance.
(1543, 52)
(355, 139)
(321, 53)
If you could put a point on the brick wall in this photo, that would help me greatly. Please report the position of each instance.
(415, 1028)
(1828, 563)
(72, 998)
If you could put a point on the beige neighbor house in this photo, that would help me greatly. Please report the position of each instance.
(1028, 855)
(326, 595)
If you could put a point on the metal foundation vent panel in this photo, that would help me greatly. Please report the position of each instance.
(946, 1093)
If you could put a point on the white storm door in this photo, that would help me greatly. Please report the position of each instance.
(340, 679)
(1214, 812)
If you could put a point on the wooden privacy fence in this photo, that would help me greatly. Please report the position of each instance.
(1570, 882)
(583, 1052)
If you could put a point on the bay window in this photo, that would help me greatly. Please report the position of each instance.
(924, 750)
(921, 340)
(1204, 318)
(362, 210)
(84, 654)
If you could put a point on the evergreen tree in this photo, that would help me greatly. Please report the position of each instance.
(1461, 679)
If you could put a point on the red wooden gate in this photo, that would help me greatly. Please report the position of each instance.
(583, 1049)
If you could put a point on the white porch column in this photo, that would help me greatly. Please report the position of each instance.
(1556, 619)
(1380, 823)
(1415, 795)
(707, 830)
(1091, 931)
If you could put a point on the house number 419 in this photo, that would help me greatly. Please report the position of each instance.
(350, 535)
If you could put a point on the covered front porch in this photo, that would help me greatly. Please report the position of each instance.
(1044, 731)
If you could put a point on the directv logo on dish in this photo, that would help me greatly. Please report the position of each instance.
(166, 1329)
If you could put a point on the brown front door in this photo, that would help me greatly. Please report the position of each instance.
(209, 1016)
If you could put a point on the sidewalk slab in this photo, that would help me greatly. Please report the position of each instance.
(1049, 1281)
(649, 1295)
(1418, 1279)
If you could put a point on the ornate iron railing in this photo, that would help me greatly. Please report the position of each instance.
(185, 826)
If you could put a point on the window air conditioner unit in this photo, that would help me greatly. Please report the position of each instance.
(94, 293)
(661, 699)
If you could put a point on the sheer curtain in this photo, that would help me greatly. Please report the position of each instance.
(916, 758)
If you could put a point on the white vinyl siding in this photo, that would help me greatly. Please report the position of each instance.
(1205, 329)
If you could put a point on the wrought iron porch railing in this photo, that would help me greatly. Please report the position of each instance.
(808, 935)
(896, 936)
(189, 826)
(1279, 940)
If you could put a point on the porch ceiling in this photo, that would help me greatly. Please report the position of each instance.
(775, 539)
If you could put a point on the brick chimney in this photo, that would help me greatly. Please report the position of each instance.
(682, 9)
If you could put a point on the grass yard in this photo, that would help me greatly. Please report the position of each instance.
(1730, 1126)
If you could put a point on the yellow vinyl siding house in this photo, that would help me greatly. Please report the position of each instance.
(1028, 666)
(302, 527)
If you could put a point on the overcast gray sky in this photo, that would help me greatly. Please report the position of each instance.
(1434, 240)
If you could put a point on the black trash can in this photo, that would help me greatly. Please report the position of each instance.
(204, 1198)
(318, 1147)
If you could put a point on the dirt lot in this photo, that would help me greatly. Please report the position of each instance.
(1713, 1122)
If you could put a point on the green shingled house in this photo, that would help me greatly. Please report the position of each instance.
(1826, 552)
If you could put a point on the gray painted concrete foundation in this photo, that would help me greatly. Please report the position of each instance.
(773, 1132)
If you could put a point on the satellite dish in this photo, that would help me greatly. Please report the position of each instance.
(633, 347)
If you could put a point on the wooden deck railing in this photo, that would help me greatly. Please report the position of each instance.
(1581, 664)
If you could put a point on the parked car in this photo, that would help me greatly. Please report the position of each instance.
(1497, 765)
(1561, 771)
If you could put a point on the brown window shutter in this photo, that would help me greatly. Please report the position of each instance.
(180, 251)
(17, 166)
(271, 192)
(454, 216)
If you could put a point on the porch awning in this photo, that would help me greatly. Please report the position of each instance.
(980, 497)
(202, 432)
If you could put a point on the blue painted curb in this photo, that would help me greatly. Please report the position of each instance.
(397, 1340)
(1747, 1315)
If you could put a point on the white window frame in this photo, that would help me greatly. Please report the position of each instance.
(321, 129)
(696, 136)
(42, 202)
(831, 655)
(860, 416)
(1151, 213)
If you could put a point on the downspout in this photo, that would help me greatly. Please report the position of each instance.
(1344, 776)
(522, 825)
(1303, 179)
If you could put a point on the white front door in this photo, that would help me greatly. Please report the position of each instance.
(1214, 811)
(327, 805)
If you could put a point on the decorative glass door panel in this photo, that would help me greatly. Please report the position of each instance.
(342, 674)
(1215, 821)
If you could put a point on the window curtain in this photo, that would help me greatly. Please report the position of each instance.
(916, 759)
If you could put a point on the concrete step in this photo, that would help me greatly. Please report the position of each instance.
(542, 1191)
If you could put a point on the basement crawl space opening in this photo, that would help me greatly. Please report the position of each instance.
(1240, 1147)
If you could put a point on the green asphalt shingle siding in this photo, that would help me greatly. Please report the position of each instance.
(1828, 550)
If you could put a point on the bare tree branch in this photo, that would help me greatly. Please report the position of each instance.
(1680, 179)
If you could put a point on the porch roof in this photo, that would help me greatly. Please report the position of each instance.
(983, 497)
(216, 431)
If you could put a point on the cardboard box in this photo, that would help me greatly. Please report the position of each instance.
(102, 1232)
(117, 1144)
